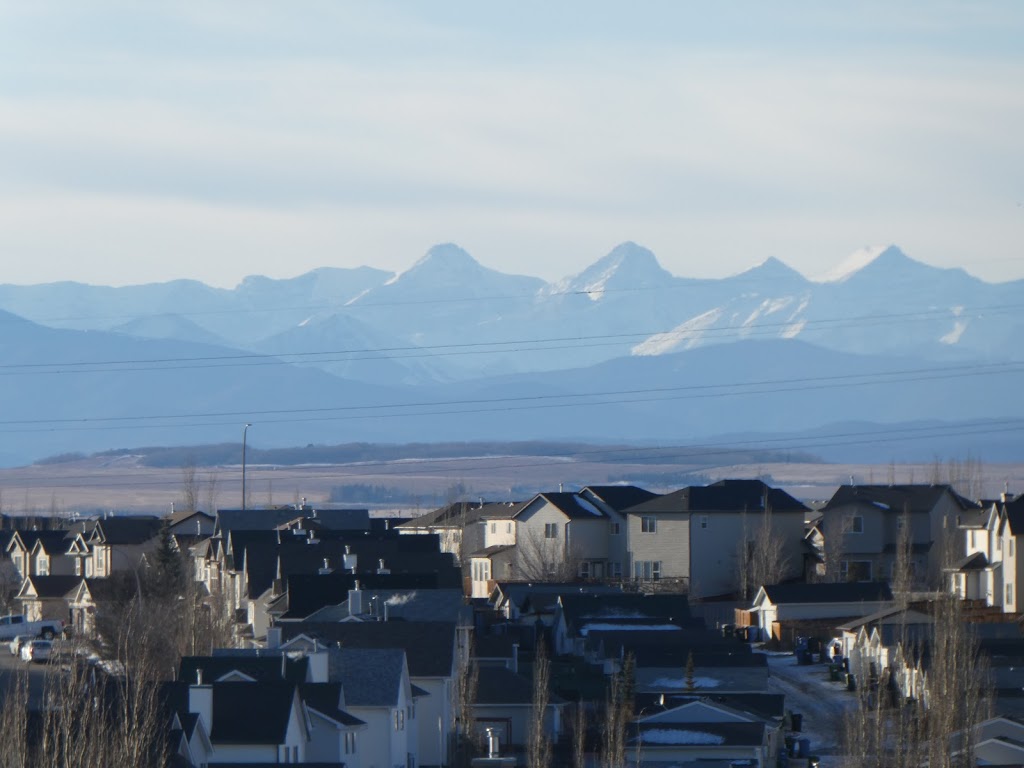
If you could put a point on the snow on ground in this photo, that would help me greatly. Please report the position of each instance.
(823, 703)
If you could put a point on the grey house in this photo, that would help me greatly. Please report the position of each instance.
(695, 534)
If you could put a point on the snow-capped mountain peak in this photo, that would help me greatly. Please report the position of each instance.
(854, 263)
(627, 266)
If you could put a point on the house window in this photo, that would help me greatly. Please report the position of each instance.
(855, 570)
(616, 529)
(857, 524)
(584, 570)
(494, 527)
(508, 527)
(550, 530)
(649, 524)
(615, 569)
(78, 566)
(703, 521)
(999, 543)
(647, 570)
(1011, 547)
(1009, 594)
(43, 566)
(899, 527)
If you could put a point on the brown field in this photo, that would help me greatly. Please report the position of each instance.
(123, 484)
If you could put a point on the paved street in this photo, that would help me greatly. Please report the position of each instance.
(10, 666)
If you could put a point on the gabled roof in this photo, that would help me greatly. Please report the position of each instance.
(308, 593)
(572, 505)
(181, 515)
(973, 562)
(46, 587)
(370, 677)
(769, 706)
(619, 497)
(126, 531)
(453, 515)
(1015, 515)
(499, 685)
(260, 668)
(402, 604)
(518, 592)
(429, 646)
(723, 496)
(51, 542)
(252, 713)
(843, 592)
(325, 698)
(896, 498)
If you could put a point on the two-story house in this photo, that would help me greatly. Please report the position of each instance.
(694, 534)
(991, 569)
(869, 521)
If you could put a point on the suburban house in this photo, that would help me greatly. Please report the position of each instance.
(701, 731)
(694, 535)
(45, 597)
(114, 544)
(782, 611)
(991, 571)
(430, 649)
(504, 702)
(40, 553)
(869, 520)
(578, 615)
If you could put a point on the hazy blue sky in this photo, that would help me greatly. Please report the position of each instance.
(147, 141)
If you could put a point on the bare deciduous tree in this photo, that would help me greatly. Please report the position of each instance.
(618, 715)
(189, 486)
(762, 555)
(212, 483)
(467, 740)
(903, 564)
(538, 744)
(539, 558)
(835, 527)
(579, 736)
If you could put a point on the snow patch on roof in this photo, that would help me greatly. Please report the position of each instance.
(605, 627)
(674, 736)
(680, 682)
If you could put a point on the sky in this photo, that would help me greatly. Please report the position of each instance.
(144, 142)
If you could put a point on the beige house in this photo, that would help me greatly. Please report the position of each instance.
(694, 535)
(870, 519)
(990, 570)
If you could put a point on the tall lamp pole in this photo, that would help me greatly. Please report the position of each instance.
(245, 432)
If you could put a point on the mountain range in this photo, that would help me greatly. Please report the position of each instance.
(452, 350)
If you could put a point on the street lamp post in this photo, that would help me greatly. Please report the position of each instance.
(245, 431)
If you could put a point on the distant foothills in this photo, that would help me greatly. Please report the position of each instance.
(884, 355)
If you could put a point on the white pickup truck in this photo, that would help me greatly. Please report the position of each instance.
(11, 626)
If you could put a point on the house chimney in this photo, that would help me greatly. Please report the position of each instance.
(493, 745)
(381, 567)
(326, 569)
(349, 561)
(560, 490)
(200, 700)
(355, 600)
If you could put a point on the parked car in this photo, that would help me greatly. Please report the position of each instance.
(14, 625)
(37, 650)
(17, 642)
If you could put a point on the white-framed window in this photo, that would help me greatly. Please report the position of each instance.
(857, 524)
(78, 566)
(616, 529)
(43, 566)
(649, 524)
(703, 521)
(550, 530)
(494, 527)
(584, 570)
(647, 570)
(508, 527)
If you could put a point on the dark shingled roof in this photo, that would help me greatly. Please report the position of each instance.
(260, 668)
(846, 592)
(324, 698)
(723, 496)
(572, 506)
(668, 608)
(54, 586)
(126, 530)
(896, 498)
(308, 593)
(269, 519)
(620, 497)
(974, 562)
(370, 677)
(429, 645)
(53, 542)
(498, 685)
(251, 713)
(765, 705)
(1015, 515)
